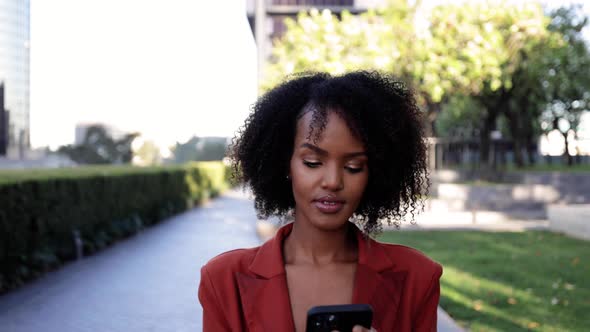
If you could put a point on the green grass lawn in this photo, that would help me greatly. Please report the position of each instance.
(509, 281)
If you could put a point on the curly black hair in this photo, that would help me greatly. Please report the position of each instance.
(378, 109)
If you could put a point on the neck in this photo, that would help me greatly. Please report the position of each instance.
(307, 245)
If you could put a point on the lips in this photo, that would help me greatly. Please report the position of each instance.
(329, 204)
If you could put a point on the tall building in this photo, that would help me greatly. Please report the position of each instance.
(14, 72)
(3, 123)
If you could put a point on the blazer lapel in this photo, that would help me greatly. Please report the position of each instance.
(266, 303)
(264, 293)
(376, 282)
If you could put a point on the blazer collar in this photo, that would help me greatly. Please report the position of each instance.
(269, 262)
(264, 292)
(377, 281)
(265, 296)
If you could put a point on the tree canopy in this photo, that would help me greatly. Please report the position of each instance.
(199, 149)
(99, 147)
(481, 61)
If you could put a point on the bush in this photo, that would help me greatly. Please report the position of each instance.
(41, 209)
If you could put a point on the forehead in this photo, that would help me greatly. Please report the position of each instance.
(331, 131)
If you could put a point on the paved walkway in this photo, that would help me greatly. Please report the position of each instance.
(146, 283)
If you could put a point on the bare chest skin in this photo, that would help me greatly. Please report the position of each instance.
(311, 285)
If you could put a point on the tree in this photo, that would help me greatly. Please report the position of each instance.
(550, 83)
(384, 39)
(200, 149)
(479, 47)
(567, 85)
(459, 118)
(99, 147)
(380, 39)
(148, 154)
(515, 62)
(457, 53)
(493, 58)
(527, 101)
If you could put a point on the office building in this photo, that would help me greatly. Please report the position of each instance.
(3, 123)
(14, 74)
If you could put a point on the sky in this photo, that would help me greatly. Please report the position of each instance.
(169, 69)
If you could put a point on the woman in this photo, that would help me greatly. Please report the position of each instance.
(327, 151)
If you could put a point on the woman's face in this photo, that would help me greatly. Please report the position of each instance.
(329, 176)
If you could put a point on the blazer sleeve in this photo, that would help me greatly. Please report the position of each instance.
(213, 314)
(425, 319)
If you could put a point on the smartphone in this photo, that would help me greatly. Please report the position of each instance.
(342, 318)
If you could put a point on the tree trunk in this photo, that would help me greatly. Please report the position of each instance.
(433, 109)
(518, 155)
(493, 106)
(517, 137)
(566, 153)
(489, 124)
(531, 153)
(531, 143)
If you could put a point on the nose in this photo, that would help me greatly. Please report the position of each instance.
(332, 179)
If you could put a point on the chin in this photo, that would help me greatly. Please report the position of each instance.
(331, 223)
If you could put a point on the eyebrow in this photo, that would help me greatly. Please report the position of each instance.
(324, 152)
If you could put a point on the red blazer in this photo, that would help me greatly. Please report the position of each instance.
(246, 289)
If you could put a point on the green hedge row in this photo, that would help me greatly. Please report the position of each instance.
(41, 209)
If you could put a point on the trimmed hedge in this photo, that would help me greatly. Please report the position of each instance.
(41, 209)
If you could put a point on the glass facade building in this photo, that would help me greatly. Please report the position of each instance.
(14, 71)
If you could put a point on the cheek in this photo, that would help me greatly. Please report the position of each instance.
(298, 179)
(359, 185)
(301, 178)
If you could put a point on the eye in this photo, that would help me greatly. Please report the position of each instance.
(312, 164)
(354, 170)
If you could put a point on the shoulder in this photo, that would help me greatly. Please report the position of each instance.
(422, 275)
(230, 262)
(417, 265)
(219, 292)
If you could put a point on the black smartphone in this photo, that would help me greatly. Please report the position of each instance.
(343, 318)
